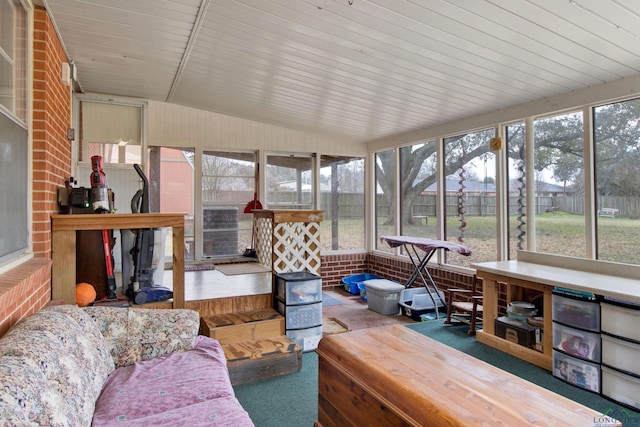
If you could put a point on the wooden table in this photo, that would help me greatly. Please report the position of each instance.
(394, 376)
(541, 273)
(63, 247)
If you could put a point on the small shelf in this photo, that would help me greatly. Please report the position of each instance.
(63, 247)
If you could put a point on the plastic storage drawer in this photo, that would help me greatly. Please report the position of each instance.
(621, 387)
(306, 338)
(620, 321)
(621, 354)
(301, 316)
(577, 342)
(299, 287)
(383, 296)
(577, 372)
(576, 312)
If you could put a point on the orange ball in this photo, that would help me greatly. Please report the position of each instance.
(85, 294)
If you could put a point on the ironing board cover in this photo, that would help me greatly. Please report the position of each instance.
(426, 244)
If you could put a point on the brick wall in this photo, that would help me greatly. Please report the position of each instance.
(335, 267)
(51, 118)
(27, 288)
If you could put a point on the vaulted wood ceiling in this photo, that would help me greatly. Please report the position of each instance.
(358, 69)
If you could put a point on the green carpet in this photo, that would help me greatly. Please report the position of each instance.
(292, 400)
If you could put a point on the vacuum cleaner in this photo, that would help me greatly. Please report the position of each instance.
(142, 288)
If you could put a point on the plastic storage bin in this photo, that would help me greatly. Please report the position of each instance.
(576, 342)
(383, 296)
(414, 302)
(299, 287)
(306, 338)
(621, 354)
(581, 313)
(351, 282)
(620, 321)
(577, 372)
(620, 387)
(301, 316)
(363, 291)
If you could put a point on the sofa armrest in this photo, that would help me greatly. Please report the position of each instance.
(136, 334)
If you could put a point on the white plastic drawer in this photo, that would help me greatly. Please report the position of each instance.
(308, 338)
(577, 372)
(298, 288)
(301, 316)
(577, 342)
(621, 354)
(620, 321)
(575, 312)
(621, 387)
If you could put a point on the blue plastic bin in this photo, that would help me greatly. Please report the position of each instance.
(351, 282)
(363, 291)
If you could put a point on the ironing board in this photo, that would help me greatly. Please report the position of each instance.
(429, 246)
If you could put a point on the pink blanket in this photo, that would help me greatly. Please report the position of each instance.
(178, 389)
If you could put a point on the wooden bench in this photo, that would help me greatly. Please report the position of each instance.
(609, 212)
(394, 376)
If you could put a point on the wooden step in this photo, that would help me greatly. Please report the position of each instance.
(259, 359)
(243, 326)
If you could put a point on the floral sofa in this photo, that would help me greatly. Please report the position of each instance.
(113, 366)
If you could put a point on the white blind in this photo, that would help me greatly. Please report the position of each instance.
(110, 123)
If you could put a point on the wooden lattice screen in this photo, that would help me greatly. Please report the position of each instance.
(288, 240)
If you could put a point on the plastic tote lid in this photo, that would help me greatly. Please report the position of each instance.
(383, 285)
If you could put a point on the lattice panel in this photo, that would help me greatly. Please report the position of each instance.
(263, 229)
(296, 247)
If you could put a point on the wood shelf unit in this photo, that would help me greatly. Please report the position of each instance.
(541, 273)
(63, 247)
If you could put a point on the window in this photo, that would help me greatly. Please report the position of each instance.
(171, 173)
(559, 185)
(515, 136)
(470, 194)
(289, 182)
(617, 160)
(13, 58)
(418, 193)
(228, 185)
(385, 197)
(14, 141)
(111, 130)
(342, 200)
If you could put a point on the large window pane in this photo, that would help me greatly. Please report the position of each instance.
(13, 58)
(560, 225)
(418, 190)
(228, 185)
(617, 159)
(385, 198)
(342, 199)
(289, 182)
(515, 135)
(171, 172)
(470, 194)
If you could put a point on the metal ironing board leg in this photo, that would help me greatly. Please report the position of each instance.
(420, 267)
